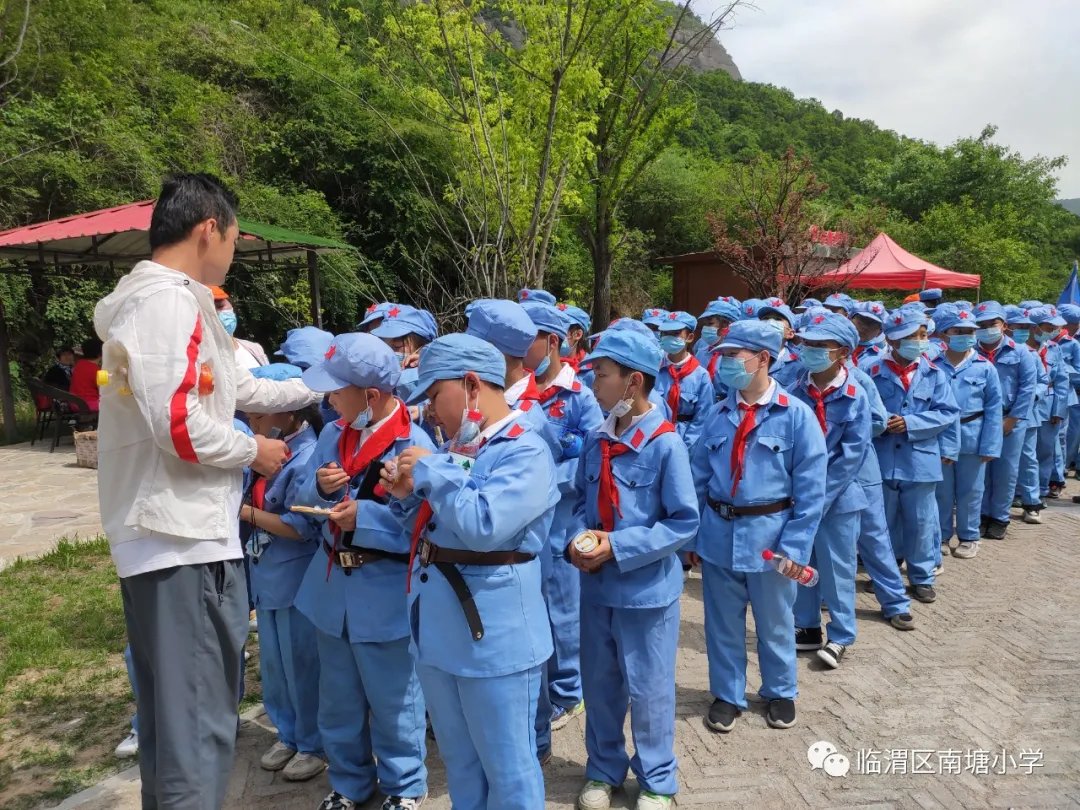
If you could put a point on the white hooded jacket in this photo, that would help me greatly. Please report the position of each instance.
(169, 458)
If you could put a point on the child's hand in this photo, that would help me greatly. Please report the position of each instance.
(407, 460)
(394, 481)
(896, 424)
(330, 478)
(693, 558)
(591, 561)
(412, 361)
(344, 515)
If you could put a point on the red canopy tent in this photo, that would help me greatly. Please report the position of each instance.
(884, 265)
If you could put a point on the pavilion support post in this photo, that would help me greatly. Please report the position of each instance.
(7, 394)
(316, 293)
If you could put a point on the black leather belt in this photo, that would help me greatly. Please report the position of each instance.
(682, 418)
(971, 417)
(355, 557)
(728, 510)
(447, 560)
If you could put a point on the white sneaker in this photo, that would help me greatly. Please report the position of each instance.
(302, 767)
(595, 796)
(128, 747)
(1032, 516)
(654, 801)
(277, 757)
(939, 569)
(965, 551)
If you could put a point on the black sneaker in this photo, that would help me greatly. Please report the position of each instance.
(781, 713)
(403, 802)
(808, 638)
(831, 654)
(869, 588)
(925, 593)
(995, 530)
(984, 524)
(721, 716)
(1015, 504)
(335, 801)
(902, 621)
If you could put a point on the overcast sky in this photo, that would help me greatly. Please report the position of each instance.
(931, 69)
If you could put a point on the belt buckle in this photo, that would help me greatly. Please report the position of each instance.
(350, 559)
(725, 511)
(425, 553)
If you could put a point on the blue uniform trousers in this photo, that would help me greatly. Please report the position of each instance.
(486, 734)
(1048, 451)
(877, 555)
(371, 706)
(289, 667)
(1027, 479)
(911, 515)
(961, 488)
(772, 598)
(1072, 436)
(629, 659)
(1001, 476)
(834, 559)
(563, 602)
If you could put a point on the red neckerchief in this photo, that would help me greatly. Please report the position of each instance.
(607, 496)
(678, 373)
(258, 492)
(355, 457)
(819, 401)
(1042, 356)
(903, 372)
(548, 394)
(423, 515)
(574, 360)
(991, 354)
(531, 392)
(1062, 336)
(738, 448)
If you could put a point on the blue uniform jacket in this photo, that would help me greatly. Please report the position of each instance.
(847, 437)
(1015, 366)
(928, 408)
(277, 572)
(1070, 351)
(1053, 363)
(695, 397)
(976, 386)
(504, 503)
(870, 472)
(871, 348)
(659, 516)
(369, 602)
(785, 369)
(785, 458)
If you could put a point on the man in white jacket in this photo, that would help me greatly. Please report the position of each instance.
(170, 473)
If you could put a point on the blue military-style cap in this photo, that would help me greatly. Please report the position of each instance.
(374, 313)
(1031, 303)
(724, 307)
(949, 316)
(965, 305)
(748, 310)
(831, 326)
(401, 320)
(931, 295)
(652, 316)
(576, 316)
(677, 321)
(806, 304)
(871, 310)
(543, 296)
(628, 348)
(355, 358)
(547, 318)
(902, 322)
(277, 371)
(503, 324)
(778, 309)
(1070, 312)
(451, 357)
(1018, 316)
(1047, 313)
(754, 335)
(989, 311)
(840, 301)
(305, 345)
(628, 325)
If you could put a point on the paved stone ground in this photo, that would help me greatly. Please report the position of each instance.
(993, 667)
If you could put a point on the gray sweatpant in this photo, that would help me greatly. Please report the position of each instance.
(187, 627)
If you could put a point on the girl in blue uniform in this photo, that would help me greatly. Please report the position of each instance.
(280, 545)
(1028, 495)
(683, 382)
(977, 389)
(759, 473)
(637, 498)
(371, 710)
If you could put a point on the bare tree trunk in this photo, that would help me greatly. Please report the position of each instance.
(599, 242)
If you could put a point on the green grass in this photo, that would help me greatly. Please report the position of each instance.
(25, 418)
(64, 695)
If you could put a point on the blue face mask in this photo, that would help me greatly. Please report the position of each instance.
(709, 334)
(362, 420)
(815, 358)
(1042, 337)
(961, 343)
(672, 344)
(545, 364)
(1021, 335)
(733, 374)
(565, 350)
(228, 320)
(911, 349)
(988, 336)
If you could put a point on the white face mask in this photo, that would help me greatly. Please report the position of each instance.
(623, 406)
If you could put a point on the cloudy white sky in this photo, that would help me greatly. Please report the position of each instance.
(932, 69)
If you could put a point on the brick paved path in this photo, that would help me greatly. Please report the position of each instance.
(993, 666)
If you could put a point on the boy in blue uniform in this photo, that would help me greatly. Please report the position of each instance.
(1015, 367)
(785, 367)
(843, 413)
(371, 709)
(869, 318)
(281, 545)
(921, 408)
(574, 348)
(1070, 349)
(1047, 325)
(480, 631)
(759, 472)
(406, 330)
(571, 412)
(637, 497)
(977, 389)
(714, 322)
(1028, 495)
(652, 317)
(682, 381)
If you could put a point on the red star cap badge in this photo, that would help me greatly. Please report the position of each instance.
(330, 352)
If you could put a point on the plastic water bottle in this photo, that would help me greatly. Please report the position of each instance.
(803, 574)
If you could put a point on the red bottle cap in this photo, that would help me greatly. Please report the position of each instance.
(767, 554)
